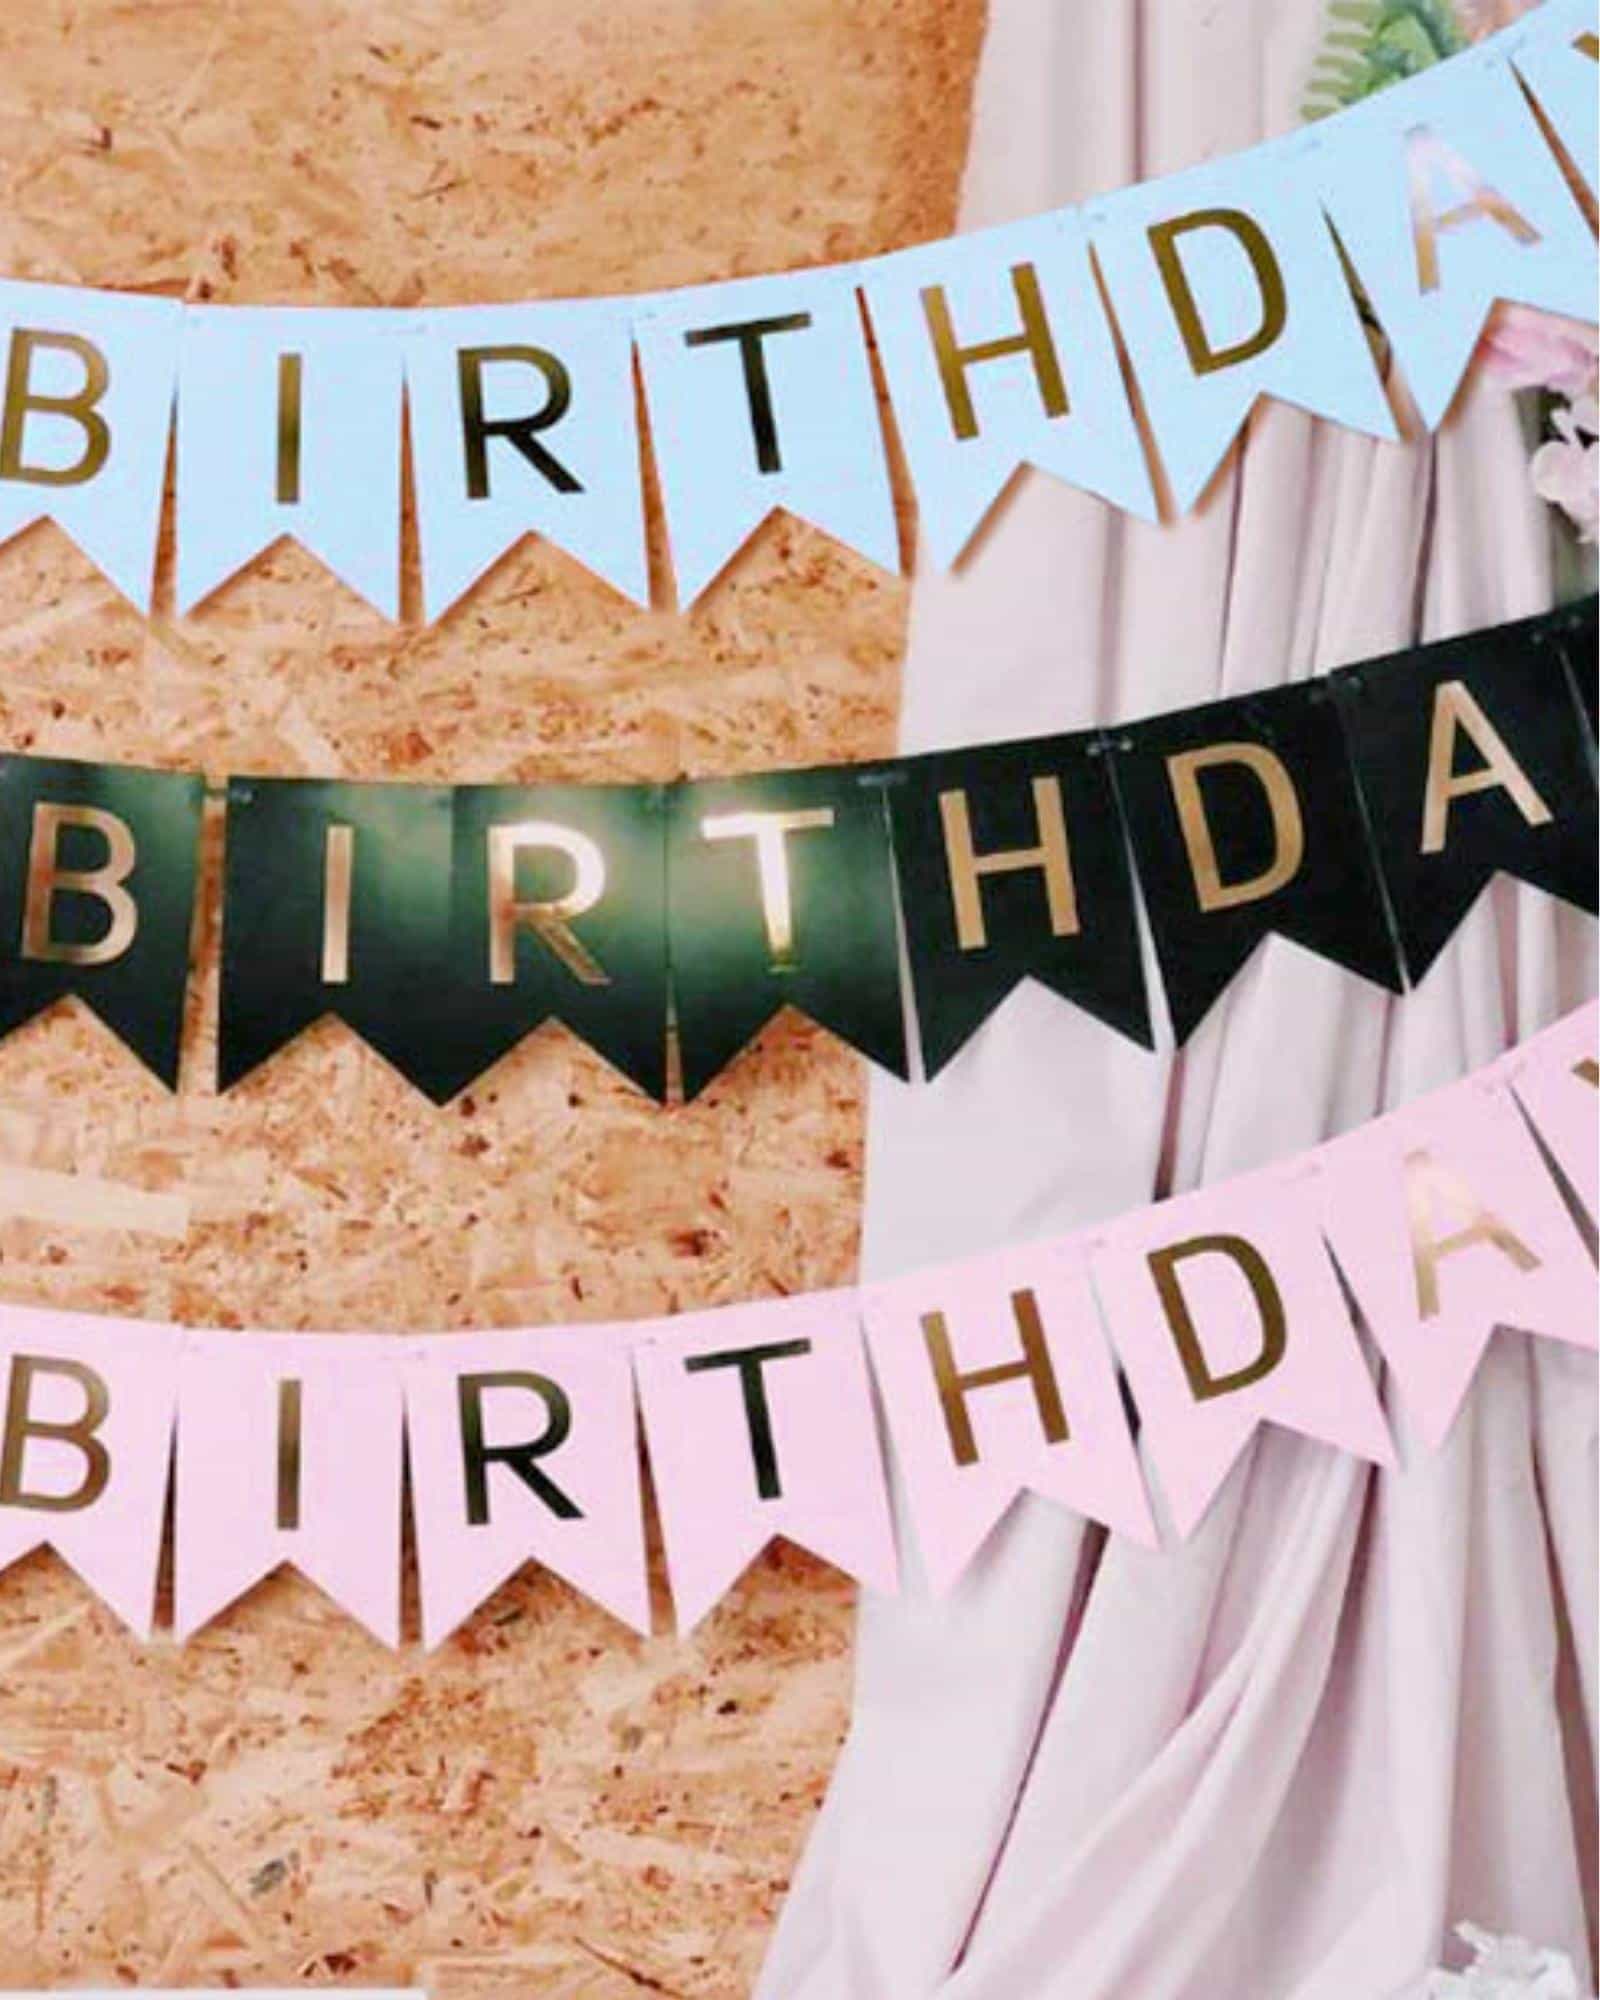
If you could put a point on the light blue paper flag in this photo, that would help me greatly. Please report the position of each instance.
(84, 423)
(1447, 198)
(760, 396)
(289, 425)
(998, 355)
(523, 422)
(1557, 54)
(1227, 286)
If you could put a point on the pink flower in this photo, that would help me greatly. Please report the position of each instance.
(1502, 1969)
(1484, 17)
(1566, 469)
(1536, 350)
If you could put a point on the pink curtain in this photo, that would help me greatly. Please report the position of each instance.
(1275, 1763)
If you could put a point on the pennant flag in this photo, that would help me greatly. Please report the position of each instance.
(760, 1423)
(523, 421)
(1245, 819)
(1227, 1314)
(1470, 757)
(1572, 631)
(996, 1379)
(782, 894)
(1556, 1079)
(999, 355)
(289, 1451)
(761, 396)
(1447, 1225)
(289, 424)
(336, 900)
(1446, 198)
(1013, 865)
(87, 1444)
(100, 897)
(524, 1448)
(558, 912)
(84, 420)
(1556, 50)
(1227, 286)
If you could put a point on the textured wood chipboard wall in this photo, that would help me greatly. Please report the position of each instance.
(546, 1806)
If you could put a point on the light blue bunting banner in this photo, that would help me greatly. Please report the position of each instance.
(1447, 198)
(84, 421)
(289, 425)
(1119, 347)
(998, 355)
(1227, 286)
(761, 397)
(1557, 62)
(523, 422)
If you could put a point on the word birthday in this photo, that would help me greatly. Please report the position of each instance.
(1360, 815)
(1448, 1218)
(1469, 183)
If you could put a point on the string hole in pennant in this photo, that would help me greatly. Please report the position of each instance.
(881, 777)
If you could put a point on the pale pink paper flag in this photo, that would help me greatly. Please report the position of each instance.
(1556, 1076)
(525, 1448)
(995, 1378)
(760, 1422)
(87, 1415)
(1447, 1224)
(289, 1451)
(1227, 1314)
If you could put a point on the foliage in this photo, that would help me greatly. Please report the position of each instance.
(1370, 44)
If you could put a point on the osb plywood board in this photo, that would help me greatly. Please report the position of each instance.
(546, 1806)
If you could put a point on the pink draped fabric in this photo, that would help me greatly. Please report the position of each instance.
(1278, 1761)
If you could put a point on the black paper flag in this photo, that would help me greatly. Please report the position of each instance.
(559, 913)
(1471, 756)
(336, 900)
(782, 893)
(1013, 866)
(1245, 819)
(98, 896)
(1572, 630)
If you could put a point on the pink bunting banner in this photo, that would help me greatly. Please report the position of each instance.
(996, 1378)
(523, 1449)
(1227, 1314)
(87, 1447)
(289, 1451)
(1448, 1226)
(1555, 1078)
(760, 1423)
(1226, 1308)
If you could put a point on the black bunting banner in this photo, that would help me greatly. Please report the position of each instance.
(1472, 761)
(1245, 819)
(559, 912)
(782, 894)
(1013, 866)
(97, 896)
(1359, 816)
(1574, 633)
(336, 900)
